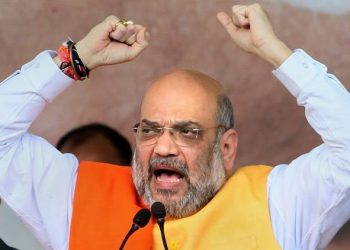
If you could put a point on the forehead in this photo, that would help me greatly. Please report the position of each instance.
(181, 96)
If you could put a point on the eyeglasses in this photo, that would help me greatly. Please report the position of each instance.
(182, 135)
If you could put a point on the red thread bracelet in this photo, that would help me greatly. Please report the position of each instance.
(66, 65)
(71, 64)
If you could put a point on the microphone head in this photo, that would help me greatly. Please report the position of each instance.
(158, 210)
(142, 217)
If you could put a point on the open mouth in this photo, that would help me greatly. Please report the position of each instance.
(167, 174)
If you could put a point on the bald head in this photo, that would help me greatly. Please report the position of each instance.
(189, 78)
(183, 95)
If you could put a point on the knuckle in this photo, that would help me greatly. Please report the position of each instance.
(256, 6)
(110, 18)
(228, 23)
(235, 8)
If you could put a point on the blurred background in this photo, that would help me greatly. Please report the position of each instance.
(185, 34)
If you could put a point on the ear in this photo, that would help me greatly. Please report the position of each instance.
(228, 146)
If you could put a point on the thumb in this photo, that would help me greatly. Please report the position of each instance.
(227, 23)
(142, 39)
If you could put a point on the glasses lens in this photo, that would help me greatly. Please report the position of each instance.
(182, 136)
(185, 137)
(147, 134)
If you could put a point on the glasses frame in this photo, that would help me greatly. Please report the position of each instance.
(172, 130)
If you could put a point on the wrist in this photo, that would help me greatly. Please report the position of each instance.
(275, 52)
(70, 62)
(85, 55)
(57, 60)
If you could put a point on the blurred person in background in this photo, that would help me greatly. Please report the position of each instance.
(96, 142)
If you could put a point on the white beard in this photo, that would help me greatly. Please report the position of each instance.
(210, 179)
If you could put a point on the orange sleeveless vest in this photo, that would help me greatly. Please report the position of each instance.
(105, 203)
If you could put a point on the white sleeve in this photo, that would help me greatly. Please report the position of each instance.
(36, 180)
(309, 199)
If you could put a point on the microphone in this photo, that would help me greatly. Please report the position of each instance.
(158, 212)
(141, 219)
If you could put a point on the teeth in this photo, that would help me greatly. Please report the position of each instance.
(173, 178)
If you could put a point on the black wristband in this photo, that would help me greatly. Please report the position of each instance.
(77, 64)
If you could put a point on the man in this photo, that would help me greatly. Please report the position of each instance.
(96, 142)
(184, 156)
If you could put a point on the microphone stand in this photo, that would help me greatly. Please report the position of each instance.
(160, 222)
(133, 228)
(140, 219)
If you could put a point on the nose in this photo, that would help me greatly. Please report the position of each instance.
(165, 145)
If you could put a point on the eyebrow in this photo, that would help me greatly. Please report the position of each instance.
(186, 123)
(151, 123)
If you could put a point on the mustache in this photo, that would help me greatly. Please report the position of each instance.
(176, 165)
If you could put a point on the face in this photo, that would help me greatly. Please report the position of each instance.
(183, 176)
